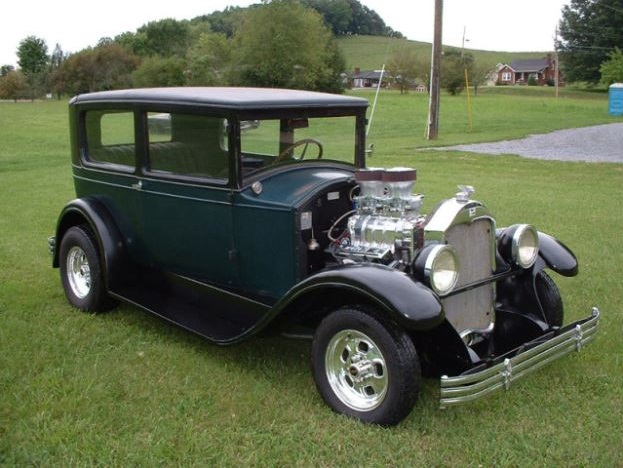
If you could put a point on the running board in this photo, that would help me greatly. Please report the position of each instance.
(218, 315)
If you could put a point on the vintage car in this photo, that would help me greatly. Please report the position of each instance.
(234, 211)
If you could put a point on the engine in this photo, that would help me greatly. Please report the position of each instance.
(383, 226)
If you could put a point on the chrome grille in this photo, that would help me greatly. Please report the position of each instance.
(473, 309)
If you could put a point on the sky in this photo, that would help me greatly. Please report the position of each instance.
(502, 25)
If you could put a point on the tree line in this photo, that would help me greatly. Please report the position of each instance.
(281, 43)
(591, 40)
(286, 43)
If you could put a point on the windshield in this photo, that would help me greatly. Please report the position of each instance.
(270, 142)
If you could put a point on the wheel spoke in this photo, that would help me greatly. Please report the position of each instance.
(356, 370)
(78, 272)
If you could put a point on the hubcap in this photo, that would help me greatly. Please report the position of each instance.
(356, 370)
(78, 272)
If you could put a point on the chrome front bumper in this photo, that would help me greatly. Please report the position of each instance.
(472, 386)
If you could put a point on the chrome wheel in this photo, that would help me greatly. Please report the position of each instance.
(356, 370)
(78, 272)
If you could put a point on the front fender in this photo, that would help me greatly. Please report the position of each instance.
(408, 302)
(93, 212)
(557, 255)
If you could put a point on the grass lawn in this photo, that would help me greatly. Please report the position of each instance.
(128, 389)
(371, 52)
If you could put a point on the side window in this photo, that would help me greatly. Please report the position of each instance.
(110, 137)
(188, 145)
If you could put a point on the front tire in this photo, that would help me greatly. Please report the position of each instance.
(365, 366)
(81, 271)
(550, 299)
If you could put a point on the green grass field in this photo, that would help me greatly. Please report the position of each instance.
(371, 52)
(128, 389)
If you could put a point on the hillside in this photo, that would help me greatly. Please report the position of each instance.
(370, 52)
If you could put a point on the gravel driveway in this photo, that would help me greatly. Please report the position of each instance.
(601, 143)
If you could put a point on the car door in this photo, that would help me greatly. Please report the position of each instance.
(186, 197)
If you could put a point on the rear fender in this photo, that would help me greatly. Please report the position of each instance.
(93, 212)
(409, 303)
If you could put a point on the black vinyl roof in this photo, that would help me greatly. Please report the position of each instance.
(224, 98)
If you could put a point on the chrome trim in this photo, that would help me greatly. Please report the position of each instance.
(356, 370)
(429, 267)
(449, 213)
(466, 388)
(52, 244)
(516, 245)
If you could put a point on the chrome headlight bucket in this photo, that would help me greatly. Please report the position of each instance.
(438, 266)
(519, 245)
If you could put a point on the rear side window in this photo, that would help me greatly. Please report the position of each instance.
(110, 137)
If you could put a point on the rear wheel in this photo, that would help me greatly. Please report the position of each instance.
(550, 299)
(81, 271)
(365, 367)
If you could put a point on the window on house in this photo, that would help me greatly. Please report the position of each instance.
(506, 76)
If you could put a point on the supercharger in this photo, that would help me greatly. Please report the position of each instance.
(383, 226)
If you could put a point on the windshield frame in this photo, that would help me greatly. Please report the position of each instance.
(235, 139)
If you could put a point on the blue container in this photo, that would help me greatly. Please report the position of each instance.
(615, 99)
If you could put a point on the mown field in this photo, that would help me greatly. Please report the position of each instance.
(371, 52)
(127, 389)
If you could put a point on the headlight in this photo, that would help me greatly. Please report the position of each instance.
(519, 245)
(438, 266)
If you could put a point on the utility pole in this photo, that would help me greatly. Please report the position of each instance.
(435, 72)
(556, 67)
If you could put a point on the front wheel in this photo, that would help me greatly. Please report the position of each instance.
(550, 299)
(365, 367)
(81, 272)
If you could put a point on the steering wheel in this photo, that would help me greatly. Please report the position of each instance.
(285, 154)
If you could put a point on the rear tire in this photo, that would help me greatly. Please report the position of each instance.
(550, 299)
(81, 271)
(365, 366)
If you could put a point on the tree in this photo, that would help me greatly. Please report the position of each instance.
(405, 67)
(165, 38)
(104, 67)
(159, 71)
(479, 74)
(367, 21)
(285, 44)
(134, 42)
(337, 14)
(6, 69)
(612, 69)
(589, 29)
(453, 67)
(56, 61)
(209, 60)
(14, 86)
(32, 54)
(226, 21)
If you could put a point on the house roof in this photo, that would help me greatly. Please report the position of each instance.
(531, 65)
(369, 75)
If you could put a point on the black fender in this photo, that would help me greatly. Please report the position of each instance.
(557, 255)
(518, 293)
(93, 212)
(409, 303)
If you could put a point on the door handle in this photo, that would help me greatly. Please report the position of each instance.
(138, 185)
